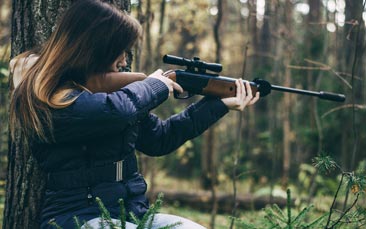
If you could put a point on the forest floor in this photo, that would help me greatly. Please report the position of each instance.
(164, 182)
(222, 220)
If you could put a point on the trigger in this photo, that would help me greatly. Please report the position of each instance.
(184, 95)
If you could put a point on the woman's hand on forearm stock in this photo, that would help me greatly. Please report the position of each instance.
(243, 97)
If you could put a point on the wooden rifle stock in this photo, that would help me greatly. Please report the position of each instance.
(206, 84)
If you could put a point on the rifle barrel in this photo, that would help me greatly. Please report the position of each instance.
(321, 94)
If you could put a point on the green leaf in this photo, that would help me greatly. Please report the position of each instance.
(316, 223)
(324, 164)
(288, 205)
(105, 215)
(302, 214)
(280, 214)
(123, 213)
(134, 218)
(77, 222)
(242, 224)
(52, 222)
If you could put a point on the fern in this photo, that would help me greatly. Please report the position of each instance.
(52, 222)
(289, 217)
(106, 221)
(275, 218)
(148, 218)
(77, 222)
(242, 224)
(134, 218)
(298, 219)
(317, 222)
(280, 215)
(325, 164)
(105, 215)
(123, 213)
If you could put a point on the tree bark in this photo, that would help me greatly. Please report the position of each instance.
(149, 53)
(211, 153)
(287, 133)
(315, 46)
(32, 23)
(160, 40)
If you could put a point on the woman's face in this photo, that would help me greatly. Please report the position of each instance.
(119, 63)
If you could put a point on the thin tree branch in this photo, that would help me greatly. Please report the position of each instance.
(345, 212)
(358, 106)
(334, 201)
(321, 67)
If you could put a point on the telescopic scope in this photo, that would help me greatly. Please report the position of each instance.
(192, 63)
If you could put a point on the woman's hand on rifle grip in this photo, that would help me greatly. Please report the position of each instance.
(158, 74)
(243, 98)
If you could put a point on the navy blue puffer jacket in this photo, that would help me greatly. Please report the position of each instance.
(97, 131)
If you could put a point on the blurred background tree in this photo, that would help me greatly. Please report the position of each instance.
(304, 44)
(4, 73)
(310, 44)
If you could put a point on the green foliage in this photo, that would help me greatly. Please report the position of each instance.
(106, 217)
(77, 222)
(54, 224)
(275, 217)
(107, 222)
(123, 213)
(308, 177)
(353, 215)
(354, 183)
(325, 164)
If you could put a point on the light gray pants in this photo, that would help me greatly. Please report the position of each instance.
(160, 220)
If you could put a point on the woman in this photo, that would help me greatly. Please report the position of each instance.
(85, 138)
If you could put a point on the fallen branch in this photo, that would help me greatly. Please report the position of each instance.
(201, 200)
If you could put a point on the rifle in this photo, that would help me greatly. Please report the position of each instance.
(195, 80)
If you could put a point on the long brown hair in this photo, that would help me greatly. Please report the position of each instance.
(90, 36)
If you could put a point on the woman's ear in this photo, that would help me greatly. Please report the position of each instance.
(119, 63)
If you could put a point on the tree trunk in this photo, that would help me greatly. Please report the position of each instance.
(149, 53)
(355, 36)
(274, 144)
(287, 133)
(160, 40)
(346, 58)
(32, 23)
(264, 45)
(211, 135)
(314, 46)
(286, 127)
(354, 40)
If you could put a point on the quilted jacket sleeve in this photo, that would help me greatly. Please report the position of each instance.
(98, 114)
(160, 137)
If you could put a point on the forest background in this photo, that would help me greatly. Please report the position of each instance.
(315, 45)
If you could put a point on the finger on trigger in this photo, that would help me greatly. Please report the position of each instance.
(177, 87)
